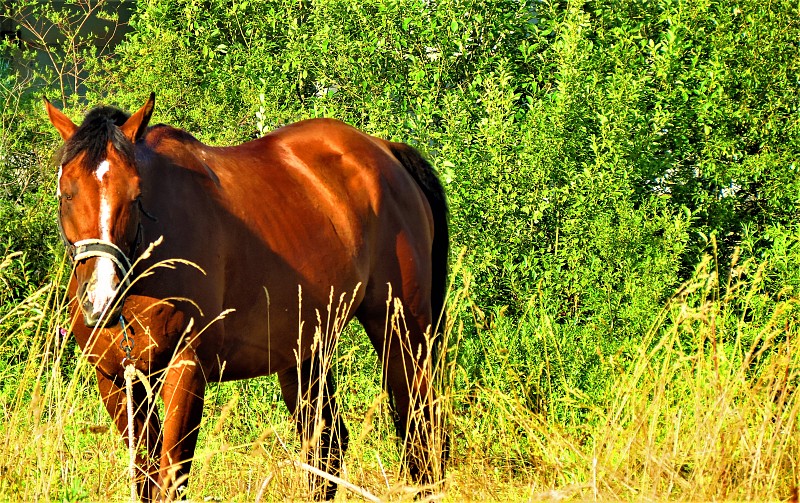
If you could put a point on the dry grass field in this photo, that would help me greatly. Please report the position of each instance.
(706, 410)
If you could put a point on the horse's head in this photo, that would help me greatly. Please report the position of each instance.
(99, 205)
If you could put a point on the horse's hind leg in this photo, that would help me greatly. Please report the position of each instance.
(309, 392)
(403, 343)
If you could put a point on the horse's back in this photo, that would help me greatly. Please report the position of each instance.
(320, 173)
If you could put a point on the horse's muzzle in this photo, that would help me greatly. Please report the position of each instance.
(99, 296)
(101, 320)
(101, 307)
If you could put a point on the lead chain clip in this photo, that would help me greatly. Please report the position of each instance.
(126, 344)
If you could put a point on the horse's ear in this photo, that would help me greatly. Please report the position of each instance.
(134, 127)
(66, 128)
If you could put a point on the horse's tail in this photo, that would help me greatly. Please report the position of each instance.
(423, 173)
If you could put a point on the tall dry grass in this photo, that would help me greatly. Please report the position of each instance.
(707, 409)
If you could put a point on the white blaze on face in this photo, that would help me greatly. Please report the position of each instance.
(58, 182)
(102, 169)
(104, 289)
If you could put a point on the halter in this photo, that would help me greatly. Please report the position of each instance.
(91, 248)
(97, 248)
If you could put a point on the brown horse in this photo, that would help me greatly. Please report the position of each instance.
(264, 232)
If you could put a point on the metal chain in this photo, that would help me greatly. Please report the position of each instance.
(126, 344)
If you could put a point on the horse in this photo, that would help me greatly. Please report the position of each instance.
(252, 240)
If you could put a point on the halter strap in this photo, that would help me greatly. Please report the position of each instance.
(91, 248)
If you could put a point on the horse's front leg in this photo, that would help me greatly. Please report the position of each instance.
(146, 429)
(182, 392)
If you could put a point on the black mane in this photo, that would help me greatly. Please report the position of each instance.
(100, 126)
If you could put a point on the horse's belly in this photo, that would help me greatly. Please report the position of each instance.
(276, 319)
